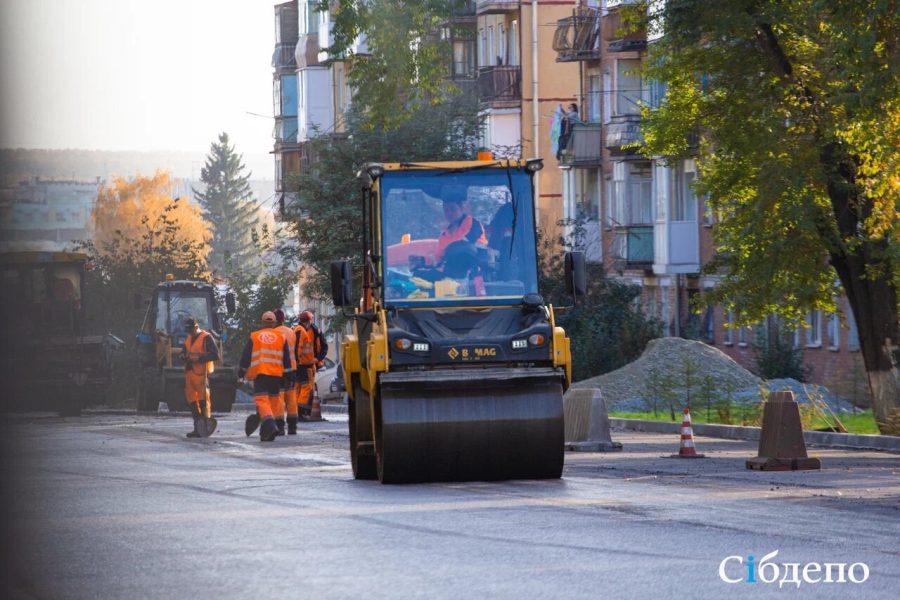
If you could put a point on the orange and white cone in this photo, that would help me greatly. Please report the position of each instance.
(687, 450)
(315, 411)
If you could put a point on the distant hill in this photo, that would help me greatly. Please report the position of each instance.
(87, 165)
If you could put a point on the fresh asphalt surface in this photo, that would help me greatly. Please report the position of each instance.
(118, 505)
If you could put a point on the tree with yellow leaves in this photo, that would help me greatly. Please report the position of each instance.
(141, 233)
(138, 220)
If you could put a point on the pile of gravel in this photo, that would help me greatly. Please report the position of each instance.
(625, 388)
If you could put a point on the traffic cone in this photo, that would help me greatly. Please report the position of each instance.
(315, 413)
(687, 450)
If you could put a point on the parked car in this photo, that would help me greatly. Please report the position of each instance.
(324, 380)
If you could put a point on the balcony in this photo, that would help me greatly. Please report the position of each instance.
(285, 131)
(585, 146)
(500, 86)
(495, 7)
(623, 134)
(283, 57)
(633, 247)
(629, 44)
(464, 14)
(677, 247)
(578, 37)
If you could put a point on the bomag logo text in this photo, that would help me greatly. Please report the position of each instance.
(485, 352)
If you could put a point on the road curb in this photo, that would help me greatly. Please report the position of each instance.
(885, 443)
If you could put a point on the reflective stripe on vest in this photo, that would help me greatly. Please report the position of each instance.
(291, 339)
(305, 353)
(448, 237)
(267, 357)
(198, 347)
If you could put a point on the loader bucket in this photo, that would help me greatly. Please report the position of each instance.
(469, 425)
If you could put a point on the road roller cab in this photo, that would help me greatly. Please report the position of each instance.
(455, 370)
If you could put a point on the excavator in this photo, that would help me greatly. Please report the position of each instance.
(456, 369)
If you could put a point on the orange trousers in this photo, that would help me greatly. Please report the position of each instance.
(305, 390)
(266, 405)
(289, 400)
(196, 391)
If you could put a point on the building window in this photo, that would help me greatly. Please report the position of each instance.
(514, 42)
(742, 336)
(501, 43)
(814, 333)
(728, 332)
(489, 46)
(607, 102)
(684, 202)
(853, 333)
(631, 194)
(834, 331)
(482, 42)
(628, 87)
(587, 195)
(593, 99)
(650, 302)
(658, 91)
(463, 58)
(276, 96)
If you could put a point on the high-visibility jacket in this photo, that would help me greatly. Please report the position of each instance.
(306, 353)
(197, 347)
(291, 338)
(467, 229)
(267, 354)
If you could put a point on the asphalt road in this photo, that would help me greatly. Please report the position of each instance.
(124, 506)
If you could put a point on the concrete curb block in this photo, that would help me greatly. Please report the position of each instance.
(885, 443)
(334, 408)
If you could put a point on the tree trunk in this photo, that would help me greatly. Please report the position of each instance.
(874, 304)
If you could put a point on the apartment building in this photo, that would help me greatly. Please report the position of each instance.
(284, 99)
(643, 220)
(519, 86)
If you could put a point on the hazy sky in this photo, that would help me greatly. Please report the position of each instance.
(136, 74)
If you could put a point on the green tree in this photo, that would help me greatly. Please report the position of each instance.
(606, 328)
(797, 107)
(256, 292)
(228, 205)
(406, 60)
(326, 222)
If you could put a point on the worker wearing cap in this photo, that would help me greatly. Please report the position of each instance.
(199, 354)
(306, 363)
(288, 394)
(460, 225)
(264, 361)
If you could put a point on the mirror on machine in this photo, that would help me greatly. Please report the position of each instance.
(230, 303)
(576, 278)
(341, 288)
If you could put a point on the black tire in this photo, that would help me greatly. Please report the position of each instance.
(364, 466)
(149, 390)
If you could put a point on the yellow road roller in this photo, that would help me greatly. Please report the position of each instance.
(455, 370)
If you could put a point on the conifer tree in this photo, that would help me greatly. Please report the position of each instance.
(228, 205)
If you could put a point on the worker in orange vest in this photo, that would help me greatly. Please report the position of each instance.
(199, 354)
(288, 395)
(264, 361)
(306, 363)
(460, 225)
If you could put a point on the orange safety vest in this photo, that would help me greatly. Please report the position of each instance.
(198, 347)
(291, 339)
(306, 354)
(268, 354)
(448, 237)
